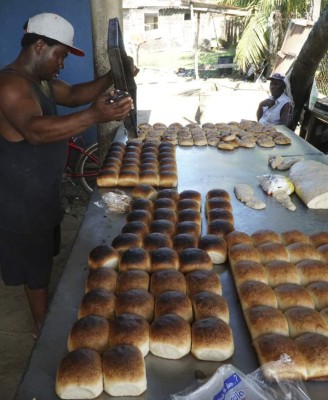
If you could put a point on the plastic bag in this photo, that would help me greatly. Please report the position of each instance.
(229, 383)
(271, 183)
(115, 201)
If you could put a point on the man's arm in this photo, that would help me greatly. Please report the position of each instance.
(21, 115)
(265, 103)
(82, 93)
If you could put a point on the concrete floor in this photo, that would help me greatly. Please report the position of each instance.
(162, 97)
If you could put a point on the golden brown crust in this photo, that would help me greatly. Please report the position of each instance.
(323, 252)
(103, 277)
(265, 235)
(193, 259)
(220, 227)
(265, 319)
(318, 239)
(165, 280)
(129, 329)
(137, 227)
(291, 295)
(79, 374)
(156, 240)
(144, 191)
(209, 304)
(293, 236)
(243, 252)
(103, 256)
(191, 194)
(135, 258)
(271, 347)
(237, 237)
(271, 251)
(211, 340)
(244, 271)
(98, 302)
(165, 213)
(184, 241)
(254, 293)
(302, 251)
(216, 248)
(305, 320)
(135, 301)
(312, 271)
(173, 302)
(279, 272)
(164, 258)
(132, 279)
(319, 293)
(170, 337)
(124, 371)
(218, 193)
(125, 241)
(203, 281)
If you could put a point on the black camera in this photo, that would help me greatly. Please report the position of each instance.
(117, 95)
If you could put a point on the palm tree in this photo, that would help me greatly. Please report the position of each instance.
(264, 28)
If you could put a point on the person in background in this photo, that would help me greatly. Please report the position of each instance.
(33, 151)
(278, 108)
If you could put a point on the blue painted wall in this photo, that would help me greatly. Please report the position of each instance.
(13, 15)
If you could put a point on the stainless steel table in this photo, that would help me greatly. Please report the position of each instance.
(199, 168)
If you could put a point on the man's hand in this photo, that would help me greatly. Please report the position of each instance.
(117, 111)
(269, 102)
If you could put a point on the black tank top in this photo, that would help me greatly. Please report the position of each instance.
(30, 177)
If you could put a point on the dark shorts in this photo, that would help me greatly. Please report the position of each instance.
(26, 259)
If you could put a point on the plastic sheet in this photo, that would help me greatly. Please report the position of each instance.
(115, 201)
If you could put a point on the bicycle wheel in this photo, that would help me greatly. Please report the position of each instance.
(88, 167)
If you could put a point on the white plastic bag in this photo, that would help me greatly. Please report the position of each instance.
(271, 183)
(115, 201)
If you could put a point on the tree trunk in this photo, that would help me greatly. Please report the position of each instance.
(307, 62)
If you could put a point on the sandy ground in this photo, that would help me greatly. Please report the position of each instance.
(162, 97)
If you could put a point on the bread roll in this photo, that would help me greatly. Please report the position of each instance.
(128, 178)
(271, 347)
(104, 278)
(216, 248)
(312, 271)
(107, 178)
(190, 215)
(218, 193)
(148, 177)
(141, 204)
(139, 215)
(211, 340)
(170, 337)
(243, 252)
(217, 202)
(79, 375)
(144, 191)
(168, 193)
(318, 239)
(135, 301)
(129, 329)
(262, 320)
(265, 235)
(184, 241)
(305, 320)
(165, 280)
(193, 259)
(302, 251)
(137, 227)
(133, 279)
(125, 241)
(90, 332)
(188, 227)
(220, 227)
(293, 236)
(220, 213)
(186, 204)
(135, 258)
(324, 314)
(314, 349)
(163, 226)
(156, 240)
(271, 251)
(292, 295)
(173, 302)
(203, 281)
(191, 194)
(244, 271)
(237, 237)
(209, 304)
(323, 252)
(124, 371)
(319, 293)
(98, 302)
(166, 214)
(165, 202)
(164, 258)
(279, 272)
(103, 256)
(254, 293)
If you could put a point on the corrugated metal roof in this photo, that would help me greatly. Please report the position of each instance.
(295, 37)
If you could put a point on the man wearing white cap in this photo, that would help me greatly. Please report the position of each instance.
(278, 108)
(33, 150)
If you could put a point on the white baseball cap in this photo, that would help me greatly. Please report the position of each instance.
(54, 27)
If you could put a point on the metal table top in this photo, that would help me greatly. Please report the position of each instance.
(202, 169)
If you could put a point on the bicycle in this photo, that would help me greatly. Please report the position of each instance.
(82, 164)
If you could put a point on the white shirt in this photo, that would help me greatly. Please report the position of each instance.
(272, 115)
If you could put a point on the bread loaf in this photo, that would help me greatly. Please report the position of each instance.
(132, 279)
(79, 375)
(319, 293)
(164, 258)
(170, 337)
(265, 235)
(244, 271)
(293, 236)
(165, 280)
(104, 278)
(193, 259)
(125, 241)
(203, 281)
(124, 371)
(215, 247)
(135, 301)
(135, 258)
(98, 302)
(280, 272)
(254, 293)
(173, 302)
(103, 256)
(312, 271)
(305, 320)
(209, 304)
